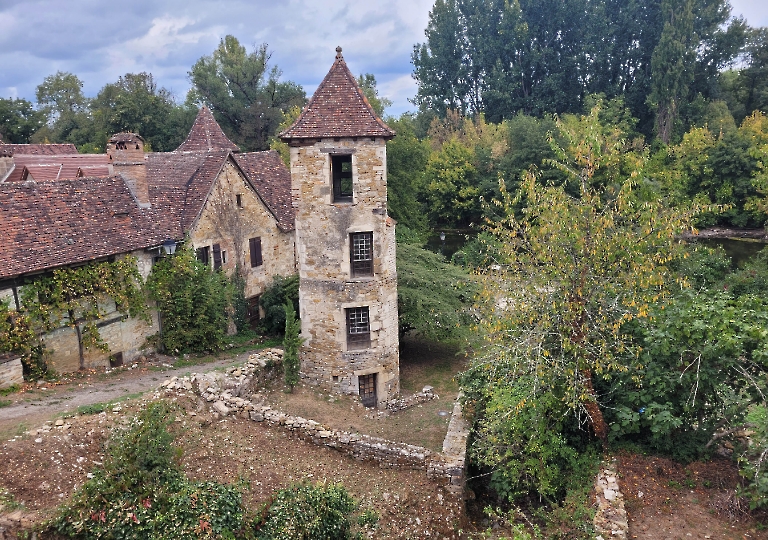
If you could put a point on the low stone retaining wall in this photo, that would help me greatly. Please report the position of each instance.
(11, 371)
(235, 392)
(427, 394)
(611, 518)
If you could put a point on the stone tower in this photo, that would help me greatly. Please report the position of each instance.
(345, 242)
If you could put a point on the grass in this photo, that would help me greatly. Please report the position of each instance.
(421, 364)
(240, 343)
(10, 390)
(5, 403)
(97, 408)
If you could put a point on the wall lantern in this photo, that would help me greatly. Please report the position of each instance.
(169, 246)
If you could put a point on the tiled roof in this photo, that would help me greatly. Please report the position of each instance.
(46, 225)
(39, 149)
(272, 181)
(57, 167)
(206, 135)
(126, 136)
(338, 109)
(179, 183)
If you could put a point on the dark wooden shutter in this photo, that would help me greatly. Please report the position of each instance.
(216, 256)
(255, 245)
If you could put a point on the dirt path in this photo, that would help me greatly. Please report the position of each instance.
(39, 403)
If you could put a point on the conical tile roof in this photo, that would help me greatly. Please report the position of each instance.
(206, 135)
(338, 109)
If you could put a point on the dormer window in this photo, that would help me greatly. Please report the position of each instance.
(341, 173)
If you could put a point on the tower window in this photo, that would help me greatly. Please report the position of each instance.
(341, 173)
(361, 253)
(358, 328)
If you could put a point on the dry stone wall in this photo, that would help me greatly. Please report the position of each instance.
(11, 371)
(235, 393)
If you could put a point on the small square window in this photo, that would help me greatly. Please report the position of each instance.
(341, 173)
(358, 328)
(361, 253)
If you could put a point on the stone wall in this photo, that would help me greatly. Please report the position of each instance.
(235, 393)
(327, 286)
(11, 371)
(124, 335)
(231, 226)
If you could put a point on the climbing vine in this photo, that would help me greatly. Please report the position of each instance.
(81, 297)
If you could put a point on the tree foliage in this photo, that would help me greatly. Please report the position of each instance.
(291, 344)
(193, 302)
(243, 92)
(19, 120)
(574, 271)
(434, 298)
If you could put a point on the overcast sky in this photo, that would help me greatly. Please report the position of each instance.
(101, 40)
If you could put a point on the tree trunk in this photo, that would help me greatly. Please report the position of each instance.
(595, 413)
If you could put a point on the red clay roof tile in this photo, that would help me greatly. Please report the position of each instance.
(206, 135)
(338, 108)
(272, 181)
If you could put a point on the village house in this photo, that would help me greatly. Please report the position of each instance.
(200, 193)
(325, 218)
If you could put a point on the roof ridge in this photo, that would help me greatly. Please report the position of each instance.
(338, 108)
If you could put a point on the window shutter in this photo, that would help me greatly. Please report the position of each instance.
(216, 256)
(255, 245)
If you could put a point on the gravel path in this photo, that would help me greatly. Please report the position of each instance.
(43, 402)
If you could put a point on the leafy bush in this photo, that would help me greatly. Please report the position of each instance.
(239, 303)
(704, 361)
(433, 297)
(319, 512)
(291, 344)
(142, 493)
(192, 302)
(703, 266)
(752, 278)
(754, 460)
(273, 300)
(524, 435)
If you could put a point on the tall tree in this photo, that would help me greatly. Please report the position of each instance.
(134, 103)
(379, 103)
(19, 120)
(61, 97)
(440, 64)
(243, 92)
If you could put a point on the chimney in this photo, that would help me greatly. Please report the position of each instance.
(126, 155)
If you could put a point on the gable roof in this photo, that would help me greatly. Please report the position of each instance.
(38, 149)
(272, 181)
(338, 108)
(51, 224)
(46, 167)
(206, 135)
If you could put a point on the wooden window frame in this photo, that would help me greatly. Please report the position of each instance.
(341, 178)
(216, 256)
(361, 254)
(358, 322)
(203, 254)
(254, 247)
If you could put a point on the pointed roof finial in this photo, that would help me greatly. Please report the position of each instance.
(338, 52)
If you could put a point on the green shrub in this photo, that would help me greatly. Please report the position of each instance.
(239, 303)
(142, 493)
(317, 512)
(291, 344)
(753, 461)
(273, 300)
(193, 303)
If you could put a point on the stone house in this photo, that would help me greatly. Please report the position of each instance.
(345, 242)
(325, 218)
(233, 208)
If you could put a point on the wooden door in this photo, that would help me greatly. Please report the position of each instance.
(367, 385)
